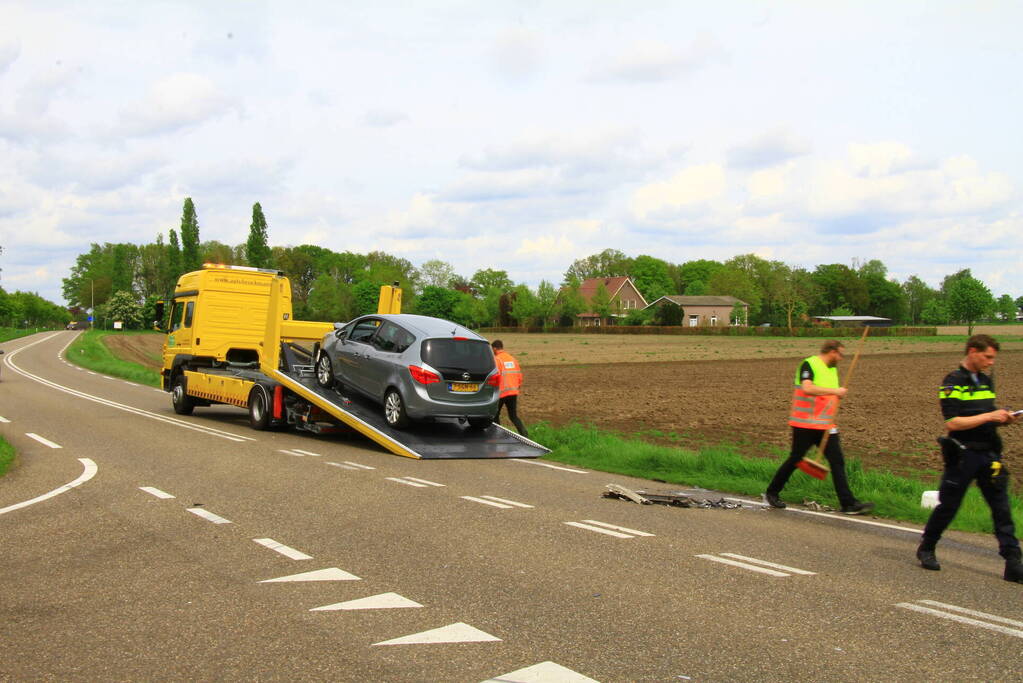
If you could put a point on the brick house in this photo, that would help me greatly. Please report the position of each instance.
(623, 296)
(706, 311)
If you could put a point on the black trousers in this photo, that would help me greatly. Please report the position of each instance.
(802, 440)
(963, 466)
(511, 403)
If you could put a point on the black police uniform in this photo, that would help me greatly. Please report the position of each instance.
(972, 454)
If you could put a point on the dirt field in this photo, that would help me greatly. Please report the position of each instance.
(706, 390)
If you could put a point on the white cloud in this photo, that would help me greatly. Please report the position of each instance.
(545, 247)
(9, 52)
(879, 158)
(518, 54)
(653, 61)
(178, 101)
(693, 185)
(384, 118)
(769, 149)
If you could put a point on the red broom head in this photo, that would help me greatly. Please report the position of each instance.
(815, 469)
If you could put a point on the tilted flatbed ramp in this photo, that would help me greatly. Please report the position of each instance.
(436, 440)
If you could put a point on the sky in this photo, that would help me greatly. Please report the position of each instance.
(521, 135)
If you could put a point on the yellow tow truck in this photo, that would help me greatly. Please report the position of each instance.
(232, 339)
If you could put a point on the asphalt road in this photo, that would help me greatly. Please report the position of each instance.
(151, 561)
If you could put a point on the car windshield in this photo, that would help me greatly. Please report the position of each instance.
(467, 355)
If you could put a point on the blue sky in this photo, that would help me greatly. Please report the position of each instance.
(519, 135)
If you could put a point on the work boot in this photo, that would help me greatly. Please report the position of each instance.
(928, 560)
(773, 500)
(857, 508)
(1013, 568)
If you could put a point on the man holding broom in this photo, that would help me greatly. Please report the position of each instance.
(812, 418)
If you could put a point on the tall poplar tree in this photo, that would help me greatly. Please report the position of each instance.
(257, 252)
(191, 257)
(174, 267)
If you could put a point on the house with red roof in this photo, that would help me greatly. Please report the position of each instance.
(622, 294)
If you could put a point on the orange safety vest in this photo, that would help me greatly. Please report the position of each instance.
(814, 412)
(511, 373)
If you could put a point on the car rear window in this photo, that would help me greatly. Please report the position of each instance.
(465, 355)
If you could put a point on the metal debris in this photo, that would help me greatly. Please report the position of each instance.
(817, 507)
(674, 499)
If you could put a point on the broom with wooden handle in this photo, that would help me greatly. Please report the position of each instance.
(817, 468)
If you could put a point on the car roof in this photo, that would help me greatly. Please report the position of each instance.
(426, 326)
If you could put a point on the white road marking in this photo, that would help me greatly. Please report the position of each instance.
(424, 481)
(972, 613)
(617, 528)
(282, 549)
(963, 620)
(361, 467)
(488, 502)
(106, 377)
(212, 431)
(743, 565)
(382, 601)
(295, 453)
(4, 419)
(599, 530)
(454, 633)
(90, 372)
(342, 465)
(205, 514)
(507, 502)
(832, 515)
(88, 473)
(155, 491)
(299, 450)
(544, 672)
(770, 564)
(45, 442)
(406, 482)
(329, 574)
(547, 464)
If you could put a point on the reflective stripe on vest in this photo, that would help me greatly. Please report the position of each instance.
(511, 373)
(814, 412)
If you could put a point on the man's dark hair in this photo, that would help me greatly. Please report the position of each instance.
(982, 342)
(831, 345)
(497, 344)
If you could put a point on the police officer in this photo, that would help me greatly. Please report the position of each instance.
(972, 450)
(511, 381)
(814, 400)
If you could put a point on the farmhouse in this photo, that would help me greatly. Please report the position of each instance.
(707, 311)
(623, 296)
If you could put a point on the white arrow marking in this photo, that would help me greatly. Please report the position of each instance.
(382, 601)
(331, 574)
(454, 633)
(545, 672)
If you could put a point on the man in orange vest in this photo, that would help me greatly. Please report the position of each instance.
(814, 400)
(511, 381)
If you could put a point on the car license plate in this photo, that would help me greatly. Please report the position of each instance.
(460, 387)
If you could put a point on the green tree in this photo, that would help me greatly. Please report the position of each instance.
(840, 286)
(608, 263)
(546, 302)
(1006, 308)
(175, 265)
(692, 272)
(668, 314)
(935, 312)
(366, 297)
(729, 281)
(696, 288)
(488, 278)
(218, 252)
(569, 305)
(917, 294)
(969, 300)
(525, 308)
(600, 303)
(191, 258)
(437, 273)
(437, 302)
(257, 251)
(123, 307)
(652, 277)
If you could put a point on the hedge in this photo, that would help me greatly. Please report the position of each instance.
(731, 331)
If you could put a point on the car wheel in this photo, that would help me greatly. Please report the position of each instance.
(480, 422)
(259, 409)
(394, 410)
(182, 402)
(324, 371)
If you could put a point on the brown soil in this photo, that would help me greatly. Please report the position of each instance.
(706, 390)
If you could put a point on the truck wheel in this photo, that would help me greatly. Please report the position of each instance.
(182, 402)
(394, 410)
(259, 409)
(324, 372)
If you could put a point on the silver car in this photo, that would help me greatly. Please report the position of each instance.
(417, 367)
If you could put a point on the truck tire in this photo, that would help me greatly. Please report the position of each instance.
(394, 410)
(324, 371)
(182, 402)
(259, 408)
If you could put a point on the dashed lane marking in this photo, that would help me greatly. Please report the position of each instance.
(507, 502)
(295, 453)
(609, 529)
(949, 612)
(765, 563)
(43, 441)
(424, 481)
(88, 473)
(329, 574)
(406, 482)
(282, 549)
(453, 633)
(544, 672)
(299, 450)
(488, 502)
(4, 419)
(342, 465)
(832, 515)
(382, 601)
(743, 565)
(497, 502)
(359, 465)
(155, 491)
(547, 464)
(209, 516)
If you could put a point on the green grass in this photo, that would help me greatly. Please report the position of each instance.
(8, 333)
(90, 352)
(723, 468)
(6, 456)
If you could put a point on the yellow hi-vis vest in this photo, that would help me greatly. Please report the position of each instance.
(814, 412)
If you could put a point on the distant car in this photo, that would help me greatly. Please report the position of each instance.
(416, 367)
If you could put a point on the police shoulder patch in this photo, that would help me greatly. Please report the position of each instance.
(946, 391)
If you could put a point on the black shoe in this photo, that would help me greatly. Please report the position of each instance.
(773, 500)
(1013, 571)
(857, 508)
(928, 560)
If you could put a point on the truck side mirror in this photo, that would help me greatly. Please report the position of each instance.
(158, 323)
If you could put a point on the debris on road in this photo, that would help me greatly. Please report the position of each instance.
(817, 507)
(676, 499)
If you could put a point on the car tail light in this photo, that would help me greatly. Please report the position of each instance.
(423, 376)
(494, 380)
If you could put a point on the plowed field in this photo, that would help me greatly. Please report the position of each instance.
(704, 390)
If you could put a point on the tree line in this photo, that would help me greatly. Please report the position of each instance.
(122, 281)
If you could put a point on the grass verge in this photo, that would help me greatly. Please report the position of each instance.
(8, 333)
(6, 456)
(90, 352)
(723, 468)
